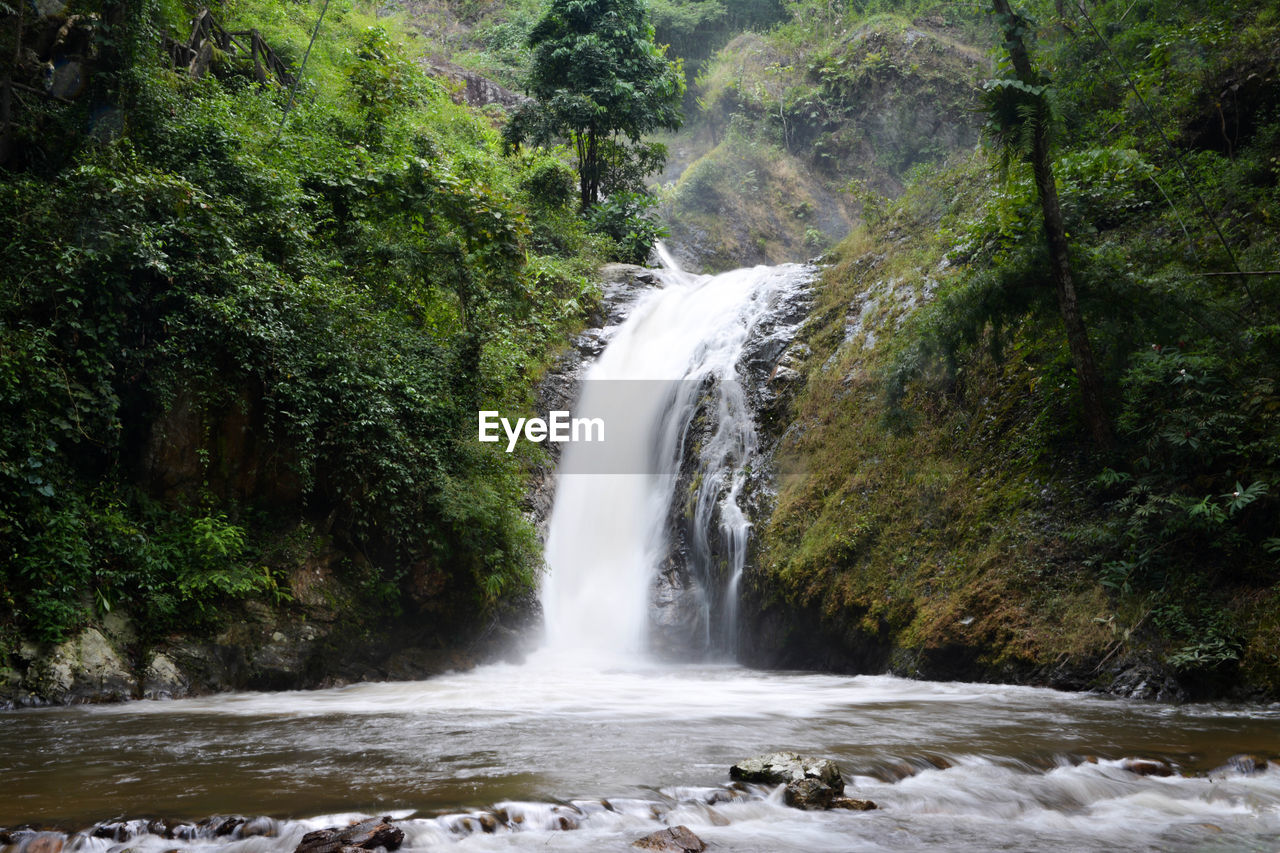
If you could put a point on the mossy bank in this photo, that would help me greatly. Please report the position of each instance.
(941, 511)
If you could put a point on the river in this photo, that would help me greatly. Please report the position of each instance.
(954, 766)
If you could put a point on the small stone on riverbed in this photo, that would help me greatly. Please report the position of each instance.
(853, 805)
(1247, 763)
(1147, 767)
(677, 839)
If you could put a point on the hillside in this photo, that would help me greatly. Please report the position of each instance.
(808, 124)
(941, 510)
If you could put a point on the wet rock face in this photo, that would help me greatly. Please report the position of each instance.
(677, 839)
(86, 668)
(689, 612)
(785, 767)
(1148, 681)
(678, 614)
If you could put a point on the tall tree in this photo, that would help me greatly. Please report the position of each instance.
(600, 81)
(1020, 121)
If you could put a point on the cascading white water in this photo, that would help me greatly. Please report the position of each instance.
(608, 532)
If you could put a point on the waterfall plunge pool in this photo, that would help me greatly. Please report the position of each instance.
(951, 766)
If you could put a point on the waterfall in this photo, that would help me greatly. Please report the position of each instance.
(673, 361)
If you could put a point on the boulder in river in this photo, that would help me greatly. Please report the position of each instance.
(220, 825)
(809, 794)
(366, 835)
(677, 839)
(781, 767)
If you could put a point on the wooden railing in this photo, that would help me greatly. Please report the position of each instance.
(196, 54)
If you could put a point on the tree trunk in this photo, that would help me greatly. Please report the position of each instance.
(588, 167)
(584, 185)
(1095, 414)
(6, 94)
(593, 167)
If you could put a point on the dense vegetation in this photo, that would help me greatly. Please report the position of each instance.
(599, 82)
(236, 338)
(952, 515)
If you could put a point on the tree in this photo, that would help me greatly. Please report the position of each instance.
(1020, 121)
(600, 81)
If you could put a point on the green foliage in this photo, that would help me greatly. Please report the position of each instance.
(600, 82)
(1198, 494)
(1015, 111)
(625, 217)
(211, 332)
(695, 29)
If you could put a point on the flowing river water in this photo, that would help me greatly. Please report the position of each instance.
(589, 745)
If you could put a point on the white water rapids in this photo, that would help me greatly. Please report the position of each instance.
(588, 746)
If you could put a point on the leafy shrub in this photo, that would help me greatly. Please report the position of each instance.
(626, 219)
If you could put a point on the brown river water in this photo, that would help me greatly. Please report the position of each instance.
(951, 766)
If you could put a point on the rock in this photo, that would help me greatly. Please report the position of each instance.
(1247, 764)
(86, 668)
(119, 629)
(116, 830)
(263, 827)
(808, 794)
(366, 835)
(172, 829)
(220, 825)
(473, 89)
(677, 615)
(16, 836)
(852, 804)
(624, 273)
(319, 841)
(1148, 681)
(677, 839)
(1147, 767)
(785, 375)
(781, 767)
(53, 842)
(163, 680)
